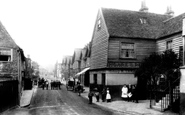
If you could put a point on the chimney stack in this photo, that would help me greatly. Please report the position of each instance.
(169, 11)
(144, 8)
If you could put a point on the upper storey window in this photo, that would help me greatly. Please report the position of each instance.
(99, 24)
(127, 50)
(5, 55)
(143, 20)
(169, 45)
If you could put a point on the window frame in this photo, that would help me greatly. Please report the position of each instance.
(120, 52)
(99, 24)
(167, 46)
(11, 54)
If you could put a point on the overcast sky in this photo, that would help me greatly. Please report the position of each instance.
(49, 29)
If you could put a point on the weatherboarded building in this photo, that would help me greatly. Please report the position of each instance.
(12, 70)
(121, 40)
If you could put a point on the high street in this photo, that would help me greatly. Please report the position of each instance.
(60, 102)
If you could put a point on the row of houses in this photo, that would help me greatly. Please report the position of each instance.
(121, 40)
(14, 71)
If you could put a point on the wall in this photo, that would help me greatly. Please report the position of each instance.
(99, 45)
(177, 40)
(142, 48)
(10, 68)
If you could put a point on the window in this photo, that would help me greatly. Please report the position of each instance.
(5, 55)
(169, 45)
(95, 78)
(99, 24)
(127, 50)
(143, 21)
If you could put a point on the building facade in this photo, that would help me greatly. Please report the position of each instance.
(121, 40)
(12, 70)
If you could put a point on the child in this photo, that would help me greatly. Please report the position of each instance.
(108, 97)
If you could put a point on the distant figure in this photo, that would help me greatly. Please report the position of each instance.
(108, 96)
(124, 94)
(90, 96)
(47, 84)
(43, 85)
(79, 88)
(97, 94)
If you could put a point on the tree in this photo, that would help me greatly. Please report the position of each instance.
(148, 74)
(156, 65)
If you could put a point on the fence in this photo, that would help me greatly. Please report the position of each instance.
(8, 94)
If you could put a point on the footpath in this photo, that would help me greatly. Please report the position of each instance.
(27, 97)
(141, 108)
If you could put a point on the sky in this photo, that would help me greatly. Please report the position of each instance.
(47, 30)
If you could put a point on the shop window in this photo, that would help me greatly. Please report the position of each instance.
(5, 55)
(127, 50)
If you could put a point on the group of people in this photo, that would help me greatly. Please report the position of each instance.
(55, 84)
(46, 84)
(129, 93)
(105, 95)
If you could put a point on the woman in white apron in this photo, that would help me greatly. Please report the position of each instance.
(124, 93)
(108, 97)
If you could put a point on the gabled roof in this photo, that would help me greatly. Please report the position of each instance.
(69, 59)
(133, 24)
(77, 54)
(5, 38)
(172, 25)
(84, 52)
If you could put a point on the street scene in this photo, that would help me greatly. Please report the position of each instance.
(92, 58)
(59, 102)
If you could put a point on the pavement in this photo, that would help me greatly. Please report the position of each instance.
(141, 108)
(27, 97)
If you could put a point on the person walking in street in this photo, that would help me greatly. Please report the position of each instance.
(90, 96)
(124, 93)
(108, 96)
(79, 88)
(97, 94)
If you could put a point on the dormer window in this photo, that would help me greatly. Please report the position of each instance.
(99, 24)
(143, 21)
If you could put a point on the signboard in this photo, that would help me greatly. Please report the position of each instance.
(123, 64)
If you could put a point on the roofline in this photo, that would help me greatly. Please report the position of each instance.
(111, 36)
(168, 35)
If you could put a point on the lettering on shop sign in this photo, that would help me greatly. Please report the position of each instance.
(121, 71)
(124, 65)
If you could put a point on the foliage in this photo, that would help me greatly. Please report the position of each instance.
(153, 67)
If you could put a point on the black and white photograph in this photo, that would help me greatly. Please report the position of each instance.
(92, 57)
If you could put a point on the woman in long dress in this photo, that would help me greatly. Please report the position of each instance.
(108, 97)
(124, 93)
